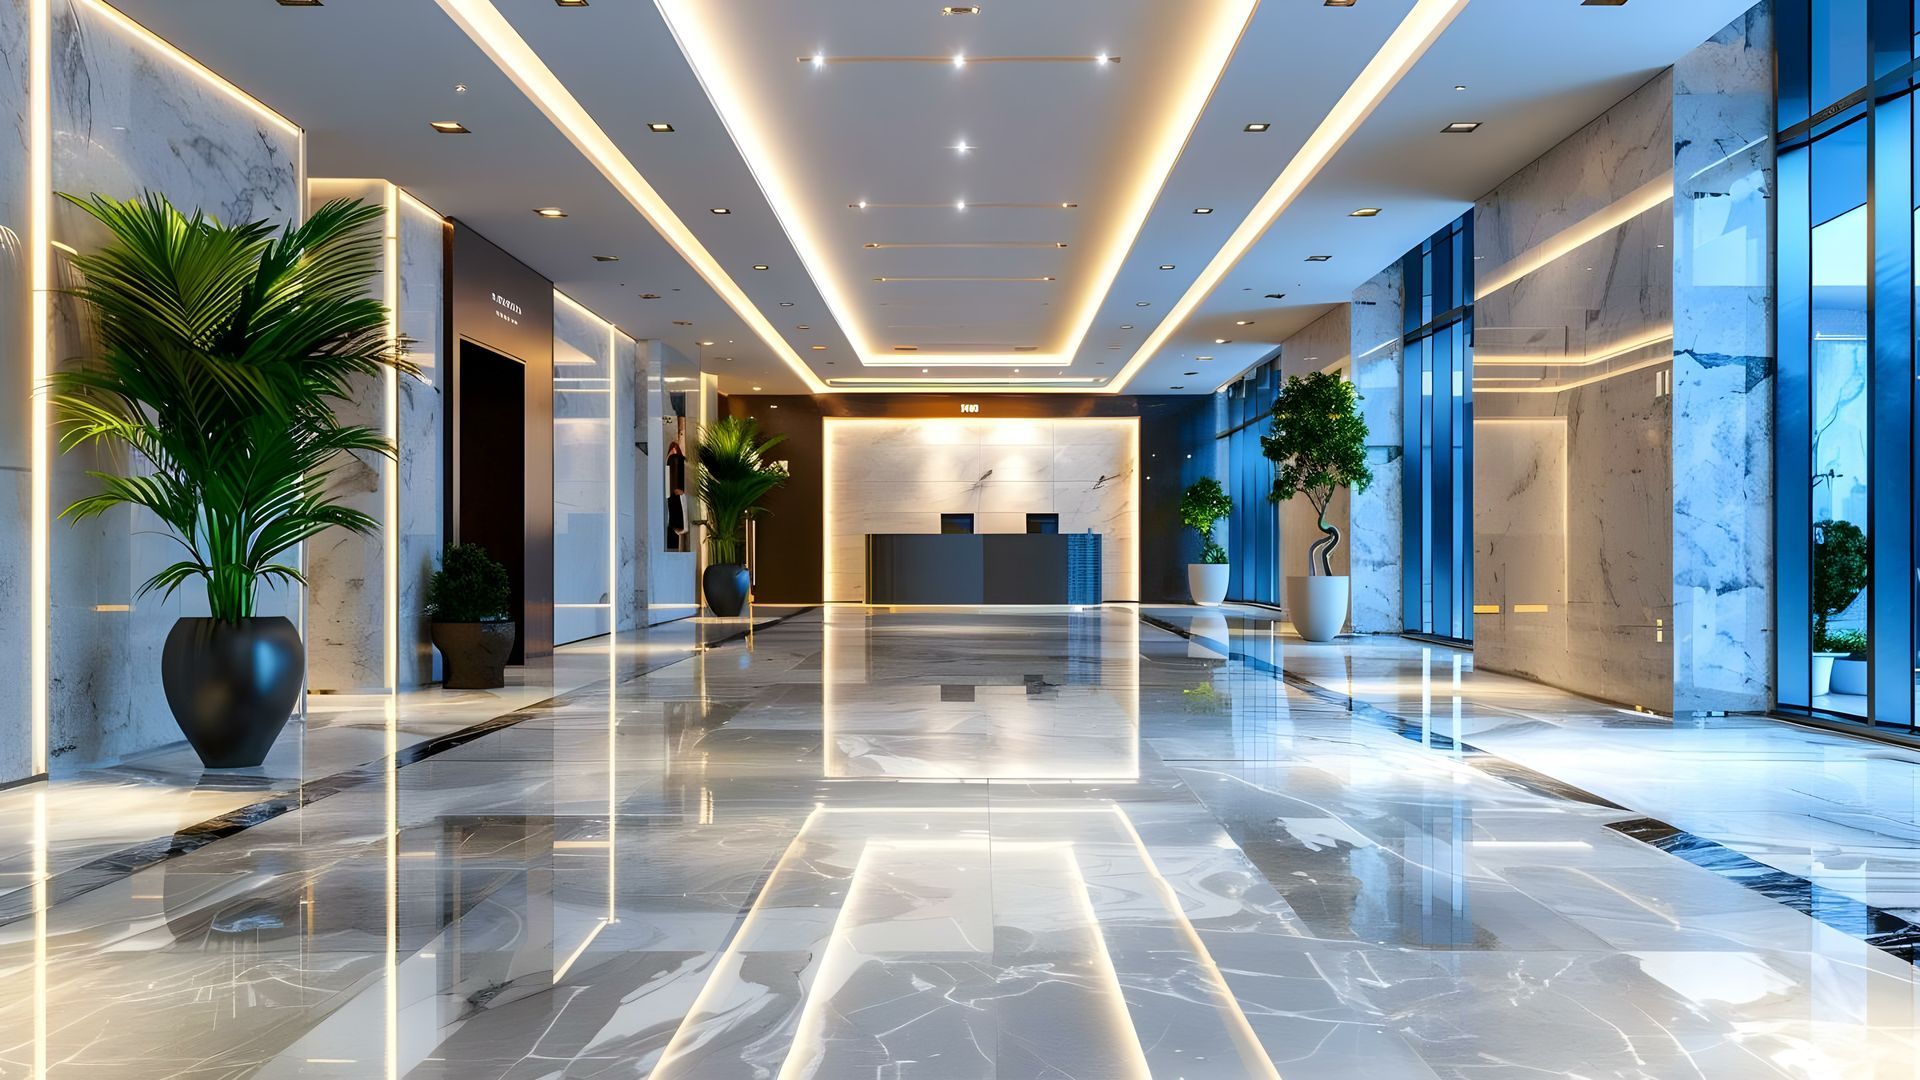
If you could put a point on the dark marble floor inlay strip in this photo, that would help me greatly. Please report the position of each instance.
(1877, 927)
(88, 876)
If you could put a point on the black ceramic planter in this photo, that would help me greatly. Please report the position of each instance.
(232, 685)
(726, 586)
(473, 655)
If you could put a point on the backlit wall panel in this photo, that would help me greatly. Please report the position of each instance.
(899, 476)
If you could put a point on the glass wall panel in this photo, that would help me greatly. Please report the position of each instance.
(1253, 540)
(582, 464)
(1437, 443)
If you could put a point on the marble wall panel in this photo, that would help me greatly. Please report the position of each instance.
(899, 477)
(1598, 205)
(423, 466)
(630, 485)
(129, 118)
(346, 627)
(1374, 515)
(16, 386)
(1723, 364)
(671, 575)
(1322, 345)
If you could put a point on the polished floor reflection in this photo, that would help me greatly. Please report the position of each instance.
(1025, 843)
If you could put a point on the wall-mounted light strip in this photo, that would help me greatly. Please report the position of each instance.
(1599, 356)
(40, 271)
(1555, 388)
(390, 467)
(1402, 49)
(488, 29)
(709, 47)
(1563, 243)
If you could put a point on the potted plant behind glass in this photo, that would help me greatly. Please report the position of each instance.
(1849, 674)
(1204, 503)
(221, 351)
(1839, 575)
(1318, 445)
(734, 475)
(470, 621)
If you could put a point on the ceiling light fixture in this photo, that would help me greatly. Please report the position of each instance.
(649, 296)
(1461, 127)
(703, 344)
(449, 127)
(1203, 209)
(459, 88)
(550, 211)
(1203, 358)
(819, 348)
(299, 3)
(719, 210)
(819, 60)
(1166, 266)
(961, 9)
(1142, 303)
(1402, 49)
(959, 60)
(759, 266)
(961, 147)
(1319, 258)
(786, 303)
(1339, 3)
(1256, 127)
(659, 126)
(1126, 326)
(756, 389)
(1103, 58)
(1603, 3)
(606, 258)
(1222, 341)
(1366, 211)
(569, 3)
(1243, 322)
(1460, 87)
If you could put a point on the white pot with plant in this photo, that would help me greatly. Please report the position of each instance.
(1204, 503)
(1318, 445)
(1839, 576)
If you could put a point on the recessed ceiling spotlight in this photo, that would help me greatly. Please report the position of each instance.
(961, 147)
(923, 371)
(960, 9)
(1339, 3)
(961, 205)
(1318, 258)
(959, 60)
(819, 60)
(786, 303)
(1243, 322)
(1222, 341)
(719, 210)
(1203, 209)
(1256, 127)
(1142, 303)
(1068, 205)
(1461, 127)
(569, 3)
(703, 343)
(1103, 58)
(649, 296)
(1176, 388)
(449, 127)
(659, 126)
(606, 258)
(1603, 3)
(759, 266)
(459, 88)
(803, 326)
(1166, 266)
(1189, 373)
(1276, 296)
(550, 211)
(819, 348)
(1126, 326)
(1366, 211)
(756, 389)
(299, 3)
(1203, 358)
(1460, 87)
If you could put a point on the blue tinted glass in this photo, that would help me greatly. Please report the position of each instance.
(1839, 46)
(1840, 172)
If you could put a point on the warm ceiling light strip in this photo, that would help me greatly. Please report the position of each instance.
(886, 245)
(950, 61)
(1402, 49)
(970, 206)
(708, 46)
(483, 23)
(986, 380)
(939, 278)
(1570, 239)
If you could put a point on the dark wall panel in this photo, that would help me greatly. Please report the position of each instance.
(497, 302)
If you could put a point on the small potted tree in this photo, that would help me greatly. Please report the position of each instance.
(1839, 574)
(734, 475)
(469, 607)
(1318, 445)
(1205, 503)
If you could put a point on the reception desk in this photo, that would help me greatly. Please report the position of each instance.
(983, 568)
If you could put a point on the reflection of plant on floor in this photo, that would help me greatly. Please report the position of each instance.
(1839, 574)
(1204, 698)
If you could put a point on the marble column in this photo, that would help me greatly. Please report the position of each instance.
(1374, 330)
(630, 483)
(423, 467)
(129, 116)
(1723, 123)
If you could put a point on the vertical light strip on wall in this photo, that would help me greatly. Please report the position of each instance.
(1402, 49)
(39, 252)
(390, 469)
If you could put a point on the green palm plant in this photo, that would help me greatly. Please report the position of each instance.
(734, 475)
(220, 351)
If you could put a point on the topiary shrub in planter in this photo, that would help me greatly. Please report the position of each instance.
(1204, 503)
(1318, 445)
(1839, 574)
(471, 624)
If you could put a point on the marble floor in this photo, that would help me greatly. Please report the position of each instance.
(1101, 843)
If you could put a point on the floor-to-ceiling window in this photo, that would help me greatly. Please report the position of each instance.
(1437, 435)
(1253, 540)
(1844, 416)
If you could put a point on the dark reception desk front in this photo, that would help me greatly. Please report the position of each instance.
(983, 568)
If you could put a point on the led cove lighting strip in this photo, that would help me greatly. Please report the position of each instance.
(390, 468)
(488, 29)
(704, 43)
(1403, 48)
(39, 199)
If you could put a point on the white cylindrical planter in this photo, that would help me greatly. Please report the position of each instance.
(1849, 676)
(1822, 672)
(1317, 605)
(1207, 582)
